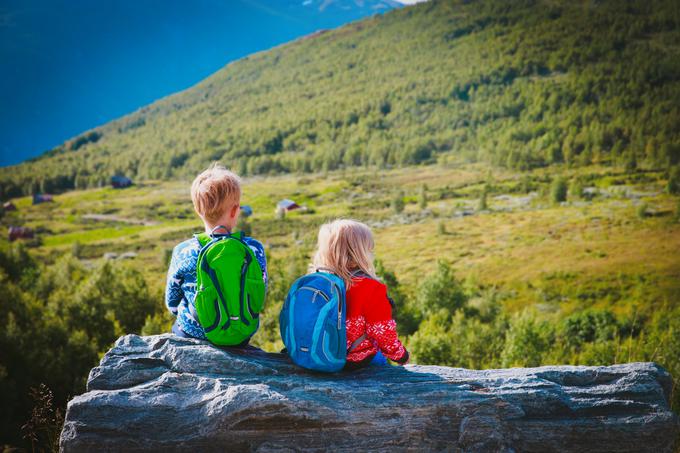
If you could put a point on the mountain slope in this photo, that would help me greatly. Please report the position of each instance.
(520, 84)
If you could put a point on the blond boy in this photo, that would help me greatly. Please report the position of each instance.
(216, 196)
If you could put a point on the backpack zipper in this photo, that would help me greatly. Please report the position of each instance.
(316, 292)
(334, 285)
(244, 269)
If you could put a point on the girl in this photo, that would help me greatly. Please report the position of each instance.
(345, 248)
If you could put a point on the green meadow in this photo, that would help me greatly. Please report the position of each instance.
(487, 268)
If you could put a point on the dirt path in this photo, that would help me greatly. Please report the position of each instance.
(115, 218)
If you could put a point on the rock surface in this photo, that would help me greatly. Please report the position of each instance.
(171, 394)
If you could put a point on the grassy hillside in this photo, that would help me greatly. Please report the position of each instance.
(522, 281)
(520, 84)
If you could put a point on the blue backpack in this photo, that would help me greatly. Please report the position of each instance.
(312, 323)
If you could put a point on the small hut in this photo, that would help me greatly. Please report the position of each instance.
(9, 206)
(15, 233)
(120, 182)
(287, 205)
(42, 198)
(246, 211)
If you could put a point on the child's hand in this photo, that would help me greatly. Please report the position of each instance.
(404, 359)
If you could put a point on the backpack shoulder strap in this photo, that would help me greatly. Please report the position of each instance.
(203, 239)
(362, 274)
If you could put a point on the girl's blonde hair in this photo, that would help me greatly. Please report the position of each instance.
(344, 247)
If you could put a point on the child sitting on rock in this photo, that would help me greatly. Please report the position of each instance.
(345, 247)
(216, 196)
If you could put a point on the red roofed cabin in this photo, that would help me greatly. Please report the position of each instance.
(20, 233)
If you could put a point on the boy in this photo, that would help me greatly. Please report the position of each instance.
(216, 196)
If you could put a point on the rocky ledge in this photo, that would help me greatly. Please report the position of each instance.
(171, 394)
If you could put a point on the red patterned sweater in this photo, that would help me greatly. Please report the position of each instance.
(369, 311)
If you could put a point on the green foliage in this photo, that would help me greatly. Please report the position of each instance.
(631, 164)
(642, 210)
(441, 228)
(576, 188)
(61, 317)
(398, 202)
(157, 323)
(406, 315)
(558, 190)
(422, 197)
(526, 342)
(440, 290)
(482, 204)
(673, 185)
(457, 340)
(518, 87)
(76, 249)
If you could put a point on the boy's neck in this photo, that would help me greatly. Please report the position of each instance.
(224, 229)
(227, 221)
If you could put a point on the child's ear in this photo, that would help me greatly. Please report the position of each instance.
(235, 211)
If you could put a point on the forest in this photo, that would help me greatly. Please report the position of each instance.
(520, 84)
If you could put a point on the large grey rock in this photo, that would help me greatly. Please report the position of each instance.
(170, 394)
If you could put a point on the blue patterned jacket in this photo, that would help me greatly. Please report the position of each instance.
(180, 289)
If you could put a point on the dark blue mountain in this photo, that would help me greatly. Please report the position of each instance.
(69, 65)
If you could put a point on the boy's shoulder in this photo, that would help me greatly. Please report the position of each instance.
(187, 247)
(192, 246)
(253, 243)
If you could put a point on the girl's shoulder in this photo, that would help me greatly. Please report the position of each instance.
(366, 283)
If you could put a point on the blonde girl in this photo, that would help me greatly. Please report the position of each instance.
(345, 247)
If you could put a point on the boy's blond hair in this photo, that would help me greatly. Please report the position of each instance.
(215, 191)
(345, 247)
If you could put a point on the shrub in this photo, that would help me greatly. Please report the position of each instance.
(576, 188)
(673, 185)
(457, 340)
(558, 190)
(642, 210)
(398, 202)
(76, 249)
(586, 327)
(422, 199)
(526, 341)
(482, 205)
(440, 290)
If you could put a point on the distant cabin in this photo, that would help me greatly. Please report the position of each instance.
(19, 233)
(120, 182)
(9, 206)
(246, 211)
(42, 198)
(287, 205)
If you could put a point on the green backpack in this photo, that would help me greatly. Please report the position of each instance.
(230, 289)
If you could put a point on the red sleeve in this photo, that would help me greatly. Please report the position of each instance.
(381, 327)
